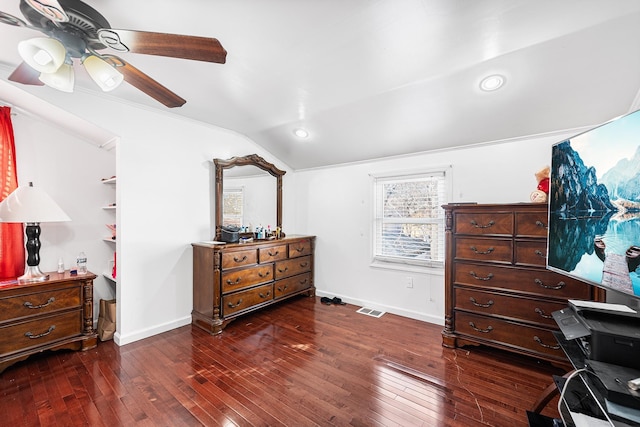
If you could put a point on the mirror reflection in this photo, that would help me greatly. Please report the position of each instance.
(248, 196)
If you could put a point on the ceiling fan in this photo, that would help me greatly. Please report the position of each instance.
(76, 32)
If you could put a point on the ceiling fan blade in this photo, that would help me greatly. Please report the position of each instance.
(50, 9)
(26, 75)
(162, 44)
(143, 82)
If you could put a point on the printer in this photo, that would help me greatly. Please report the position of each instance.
(607, 333)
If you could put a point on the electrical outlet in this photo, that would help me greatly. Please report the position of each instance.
(409, 282)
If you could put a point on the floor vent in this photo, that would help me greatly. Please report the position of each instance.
(371, 312)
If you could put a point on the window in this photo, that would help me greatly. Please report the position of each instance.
(232, 204)
(409, 219)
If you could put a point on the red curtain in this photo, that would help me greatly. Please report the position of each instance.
(11, 235)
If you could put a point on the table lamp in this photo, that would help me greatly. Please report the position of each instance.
(31, 206)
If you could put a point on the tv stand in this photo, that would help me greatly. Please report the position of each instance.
(585, 400)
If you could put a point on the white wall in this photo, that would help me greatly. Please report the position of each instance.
(165, 186)
(70, 171)
(335, 204)
(164, 196)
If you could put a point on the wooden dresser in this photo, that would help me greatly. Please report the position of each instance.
(497, 289)
(233, 279)
(51, 315)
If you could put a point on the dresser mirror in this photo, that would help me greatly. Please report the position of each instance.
(248, 192)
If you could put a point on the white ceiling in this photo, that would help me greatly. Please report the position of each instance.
(371, 79)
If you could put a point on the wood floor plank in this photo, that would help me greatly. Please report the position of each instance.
(300, 363)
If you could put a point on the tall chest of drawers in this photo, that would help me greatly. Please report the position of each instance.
(498, 291)
(51, 315)
(230, 280)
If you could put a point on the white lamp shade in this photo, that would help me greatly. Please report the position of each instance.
(63, 79)
(31, 205)
(105, 76)
(43, 54)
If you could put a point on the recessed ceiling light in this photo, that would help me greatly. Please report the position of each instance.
(301, 133)
(493, 82)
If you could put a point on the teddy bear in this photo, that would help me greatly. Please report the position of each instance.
(541, 194)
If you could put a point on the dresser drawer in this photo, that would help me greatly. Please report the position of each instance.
(40, 331)
(508, 306)
(510, 334)
(498, 223)
(494, 250)
(239, 301)
(233, 280)
(531, 253)
(291, 267)
(38, 303)
(292, 284)
(239, 258)
(300, 248)
(273, 253)
(539, 282)
(532, 224)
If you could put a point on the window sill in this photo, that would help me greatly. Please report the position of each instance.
(413, 268)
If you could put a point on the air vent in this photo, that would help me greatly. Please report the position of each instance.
(371, 312)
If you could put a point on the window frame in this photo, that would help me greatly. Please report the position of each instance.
(233, 190)
(405, 263)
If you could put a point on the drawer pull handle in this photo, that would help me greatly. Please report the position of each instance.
(304, 264)
(304, 281)
(487, 252)
(265, 296)
(484, 331)
(542, 285)
(273, 253)
(552, 347)
(540, 254)
(541, 224)
(282, 289)
(280, 270)
(44, 334)
(236, 259)
(476, 225)
(542, 313)
(300, 250)
(265, 274)
(31, 306)
(477, 304)
(232, 305)
(231, 282)
(475, 276)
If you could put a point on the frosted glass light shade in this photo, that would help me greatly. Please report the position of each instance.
(105, 76)
(28, 204)
(42, 54)
(63, 79)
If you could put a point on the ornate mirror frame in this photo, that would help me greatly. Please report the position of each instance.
(250, 160)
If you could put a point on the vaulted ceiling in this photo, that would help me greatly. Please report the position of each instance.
(370, 79)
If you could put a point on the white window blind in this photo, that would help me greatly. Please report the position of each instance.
(409, 219)
(232, 206)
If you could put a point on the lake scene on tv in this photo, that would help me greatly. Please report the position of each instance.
(594, 205)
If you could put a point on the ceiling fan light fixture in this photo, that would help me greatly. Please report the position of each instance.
(491, 83)
(43, 54)
(105, 76)
(63, 79)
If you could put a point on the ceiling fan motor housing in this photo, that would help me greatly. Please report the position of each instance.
(81, 29)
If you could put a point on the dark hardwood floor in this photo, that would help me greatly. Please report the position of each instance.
(300, 363)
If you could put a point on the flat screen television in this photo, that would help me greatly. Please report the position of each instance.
(594, 206)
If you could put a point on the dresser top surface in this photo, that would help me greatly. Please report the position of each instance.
(255, 243)
(496, 206)
(54, 277)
